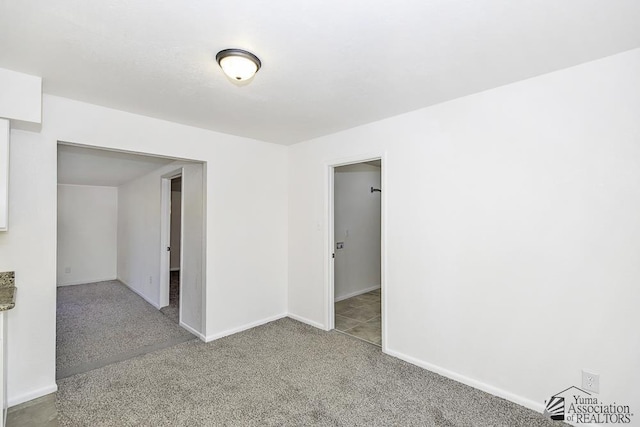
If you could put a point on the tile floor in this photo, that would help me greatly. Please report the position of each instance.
(359, 316)
(40, 412)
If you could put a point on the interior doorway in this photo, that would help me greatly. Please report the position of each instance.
(356, 234)
(174, 249)
(187, 306)
(108, 254)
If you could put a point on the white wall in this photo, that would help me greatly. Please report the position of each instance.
(87, 234)
(512, 232)
(243, 177)
(139, 239)
(357, 225)
(29, 249)
(176, 214)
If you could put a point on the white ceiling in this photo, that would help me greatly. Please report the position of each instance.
(89, 166)
(328, 65)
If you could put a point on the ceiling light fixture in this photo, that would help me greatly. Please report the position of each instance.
(238, 64)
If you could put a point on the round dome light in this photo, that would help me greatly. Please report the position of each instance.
(238, 64)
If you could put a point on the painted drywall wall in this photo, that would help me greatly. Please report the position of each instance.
(29, 249)
(357, 226)
(87, 234)
(512, 232)
(138, 242)
(243, 177)
(176, 215)
(139, 239)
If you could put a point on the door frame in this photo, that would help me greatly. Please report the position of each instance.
(329, 248)
(165, 238)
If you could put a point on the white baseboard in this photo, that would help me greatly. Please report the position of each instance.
(16, 400)
(356, 293)
(232, 331)
(307, 321)
(144, 297)
(86, 282)
(193, 331)
(527, 403)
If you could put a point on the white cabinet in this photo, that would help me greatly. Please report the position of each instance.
(21, 96)
(20, 100)
(4, 174)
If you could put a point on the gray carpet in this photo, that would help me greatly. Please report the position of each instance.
(105, 322)
(284, 373)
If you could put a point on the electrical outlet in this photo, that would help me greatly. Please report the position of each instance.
(150, 279)
(340, 245)
(590, 381)
(67, 270)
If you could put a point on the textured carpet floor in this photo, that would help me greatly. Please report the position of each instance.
(99, 323)
(284, 373)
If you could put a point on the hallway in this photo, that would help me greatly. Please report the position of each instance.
(172, 311)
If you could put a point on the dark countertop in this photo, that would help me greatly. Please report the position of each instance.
(7, 298)
(7, 291)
